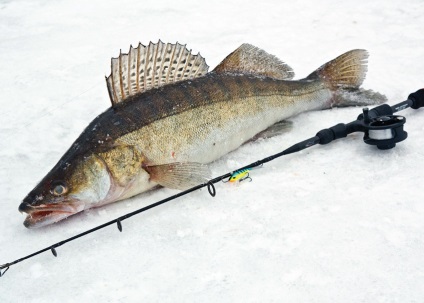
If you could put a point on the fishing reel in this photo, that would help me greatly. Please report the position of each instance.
(380, 127)
(383, 131)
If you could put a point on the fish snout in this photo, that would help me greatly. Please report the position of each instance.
(25, 207)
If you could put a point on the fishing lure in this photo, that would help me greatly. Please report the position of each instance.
(240, 175)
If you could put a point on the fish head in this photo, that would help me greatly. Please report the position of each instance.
(74, 184)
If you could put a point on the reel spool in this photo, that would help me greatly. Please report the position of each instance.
(384, 131)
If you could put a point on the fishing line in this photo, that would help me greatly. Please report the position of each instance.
(380, 127)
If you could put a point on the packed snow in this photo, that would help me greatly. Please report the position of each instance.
(342, 222)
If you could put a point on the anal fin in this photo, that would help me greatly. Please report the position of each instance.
(179, 175)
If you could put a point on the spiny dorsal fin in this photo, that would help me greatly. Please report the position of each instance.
(347, 70)
(151, 66)
(249, 59)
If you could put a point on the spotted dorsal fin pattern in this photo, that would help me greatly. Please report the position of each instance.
(152, 66)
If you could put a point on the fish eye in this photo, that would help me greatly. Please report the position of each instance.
(59, 189)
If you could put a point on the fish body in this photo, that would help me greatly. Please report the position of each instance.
(203, 119)
(165, 133)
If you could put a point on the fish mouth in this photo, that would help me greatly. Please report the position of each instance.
(42, 215)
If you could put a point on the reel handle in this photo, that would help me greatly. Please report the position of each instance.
(417, 99)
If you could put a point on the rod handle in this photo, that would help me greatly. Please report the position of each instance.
(417, 99)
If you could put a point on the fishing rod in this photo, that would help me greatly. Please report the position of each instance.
(380, 127)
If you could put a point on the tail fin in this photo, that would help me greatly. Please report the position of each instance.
(344, 75)
(346, 71)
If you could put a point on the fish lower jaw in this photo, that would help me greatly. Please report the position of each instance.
(45, 216)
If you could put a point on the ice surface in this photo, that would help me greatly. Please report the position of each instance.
(336, 223)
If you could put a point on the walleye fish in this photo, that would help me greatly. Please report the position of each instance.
(170, 117)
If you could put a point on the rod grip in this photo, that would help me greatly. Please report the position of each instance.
(417, 99)
(335, 132)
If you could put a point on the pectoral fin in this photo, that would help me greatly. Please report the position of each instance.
(179, 175)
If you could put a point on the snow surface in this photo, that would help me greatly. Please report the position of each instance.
(336, 223)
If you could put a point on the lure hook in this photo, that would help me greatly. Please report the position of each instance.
(245, 178)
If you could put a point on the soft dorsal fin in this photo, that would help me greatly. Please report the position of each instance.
(151, 66)
(249, 59)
